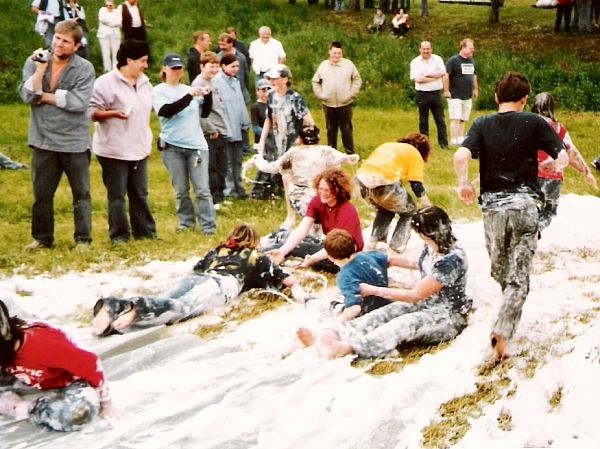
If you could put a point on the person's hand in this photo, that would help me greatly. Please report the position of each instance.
(40, 65)
(121, 115)
(214, 135)
(307, 262)
(109, 412)
(367, 289)
(276, 256)
(447, 94)
(547, 166)
(196, 92)
(247, 165)
(466, 192)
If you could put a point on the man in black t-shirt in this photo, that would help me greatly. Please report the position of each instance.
(506, 144)
(460, 87)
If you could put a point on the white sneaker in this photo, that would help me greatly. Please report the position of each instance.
(460, 140)
(454, 142)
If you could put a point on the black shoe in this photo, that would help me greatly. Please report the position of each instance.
(596, 164)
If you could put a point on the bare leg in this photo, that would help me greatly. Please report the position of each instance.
(290, 217)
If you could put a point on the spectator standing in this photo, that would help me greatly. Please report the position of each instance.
(58, 87)
(134, 27)
(226, 48)
(460, 87)
(75, 11)
(215, 126)
(121, 107)
(507, 144)
(564, 8)
(201, 44)
(265, 53)
(184, 150)
(265, 184)
(238, 45)
(427, 71)
(49, 13)
(336, 83)
(109, 34)
(237, 118)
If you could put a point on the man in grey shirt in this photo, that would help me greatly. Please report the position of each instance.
(58, 87)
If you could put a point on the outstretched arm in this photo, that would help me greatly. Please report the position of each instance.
(423, 290)
(292, 241)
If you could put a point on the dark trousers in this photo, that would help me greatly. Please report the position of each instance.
(47, 168)
(563, 11)
(339, 118)
(136, 34)
(131, 178)
(432, 101)
(217, 167)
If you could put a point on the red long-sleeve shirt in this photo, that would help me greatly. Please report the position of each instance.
(47, 359)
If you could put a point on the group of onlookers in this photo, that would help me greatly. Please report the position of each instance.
(127, 17)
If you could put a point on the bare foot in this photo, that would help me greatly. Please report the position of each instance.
(499, 346)
(306, 336)
(333, 346)
(101, 321)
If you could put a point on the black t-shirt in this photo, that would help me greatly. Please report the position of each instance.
(251, 268)
(258, 115)
(460, 73)
(506, 145)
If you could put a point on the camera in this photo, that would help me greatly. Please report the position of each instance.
(41, 56)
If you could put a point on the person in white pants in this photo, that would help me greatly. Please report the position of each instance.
(109, 34)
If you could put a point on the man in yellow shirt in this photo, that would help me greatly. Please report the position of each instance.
(381, 178)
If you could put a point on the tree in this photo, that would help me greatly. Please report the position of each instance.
(354, 5)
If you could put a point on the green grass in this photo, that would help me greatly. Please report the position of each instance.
(384, 110)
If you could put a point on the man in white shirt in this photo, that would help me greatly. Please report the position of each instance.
(266, 53)
(427, 71)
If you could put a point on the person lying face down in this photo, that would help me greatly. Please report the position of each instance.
(234, 266)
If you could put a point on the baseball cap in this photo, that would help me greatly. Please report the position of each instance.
(277, 71)
(172, 60)
(263, 84)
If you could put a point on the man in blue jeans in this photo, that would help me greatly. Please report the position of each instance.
(58, 87)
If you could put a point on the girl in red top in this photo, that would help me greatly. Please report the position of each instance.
(42, 357)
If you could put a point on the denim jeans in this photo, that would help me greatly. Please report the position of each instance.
(389, 200)
(233, 177)
(47, 168)
(185, 166)
(131, 178)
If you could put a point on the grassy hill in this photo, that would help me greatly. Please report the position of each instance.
(524, 40)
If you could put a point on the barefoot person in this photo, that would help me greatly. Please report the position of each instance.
(42, 357)
(506, 143)
(434, 310)
(219, 277)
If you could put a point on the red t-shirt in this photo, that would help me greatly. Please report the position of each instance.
(341, 216)
(47, 359)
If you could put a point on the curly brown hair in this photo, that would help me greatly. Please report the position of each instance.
(338, 181)
(420, 142)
